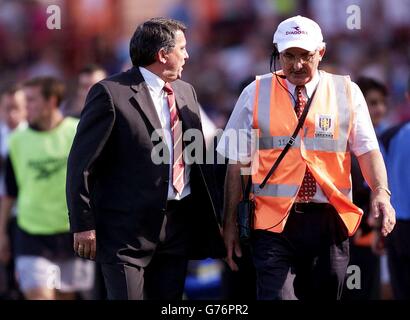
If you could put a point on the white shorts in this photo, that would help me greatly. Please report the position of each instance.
(64, 275)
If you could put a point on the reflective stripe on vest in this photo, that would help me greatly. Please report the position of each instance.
(326, 130)
(285, 190)
(276, 190)
(264, 103)
(310, 143)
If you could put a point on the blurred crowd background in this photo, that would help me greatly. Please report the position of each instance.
(229, 42)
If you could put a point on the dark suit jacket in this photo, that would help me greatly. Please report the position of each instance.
(113, 186)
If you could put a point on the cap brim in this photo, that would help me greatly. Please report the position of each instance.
(297, 44)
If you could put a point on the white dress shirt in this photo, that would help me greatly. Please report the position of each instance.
(362, 137)
(159, 98)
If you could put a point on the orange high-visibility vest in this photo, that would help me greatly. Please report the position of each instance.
(322, 145)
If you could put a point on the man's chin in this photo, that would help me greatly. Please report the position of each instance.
(299, 79)
(174, 77)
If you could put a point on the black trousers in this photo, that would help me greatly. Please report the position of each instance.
(369, 264)
(164, 277)
(307, 261)
(398, 255)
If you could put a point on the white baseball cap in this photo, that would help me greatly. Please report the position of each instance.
(298, 32)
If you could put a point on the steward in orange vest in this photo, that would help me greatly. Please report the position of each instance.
(304, 213)
(322, 145)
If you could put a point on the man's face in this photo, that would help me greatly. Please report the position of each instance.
(299, 65)
(176, 58)
(376, 103)
(14, 106)
(37, 109)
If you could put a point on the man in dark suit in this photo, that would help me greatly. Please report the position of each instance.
(143, 219)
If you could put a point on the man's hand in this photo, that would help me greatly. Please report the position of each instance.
(232, 244)
(374, 172)
(381, 207)
(85, 244)
(4, 248)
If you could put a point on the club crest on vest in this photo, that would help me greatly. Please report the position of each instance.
(324, 126)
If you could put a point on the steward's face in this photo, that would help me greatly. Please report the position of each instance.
(300, 65)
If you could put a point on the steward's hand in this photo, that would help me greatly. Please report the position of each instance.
(381, 207)
(232, 244)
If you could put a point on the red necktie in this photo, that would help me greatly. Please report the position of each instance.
(176, 133)
(308, 188)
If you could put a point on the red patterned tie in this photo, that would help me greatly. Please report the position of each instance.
(176, 130)
(308, 188)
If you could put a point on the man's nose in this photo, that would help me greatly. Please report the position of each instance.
(297, 64)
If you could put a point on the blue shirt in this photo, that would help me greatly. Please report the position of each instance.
(398, 169)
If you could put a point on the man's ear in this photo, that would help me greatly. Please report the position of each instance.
(162, 56)
(322, 53)
(53, 101)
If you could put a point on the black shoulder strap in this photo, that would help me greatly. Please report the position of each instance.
(290, 142)
(246, 190)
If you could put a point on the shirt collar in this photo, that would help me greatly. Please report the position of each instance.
(310, 86)
(155, 83)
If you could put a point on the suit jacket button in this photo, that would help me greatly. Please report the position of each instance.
(163, 210)
(166, 181)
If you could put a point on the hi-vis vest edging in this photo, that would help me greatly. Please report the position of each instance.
(322, 145)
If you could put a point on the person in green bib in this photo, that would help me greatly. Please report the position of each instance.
(46, 266)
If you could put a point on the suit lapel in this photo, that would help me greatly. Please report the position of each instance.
(143, 98)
